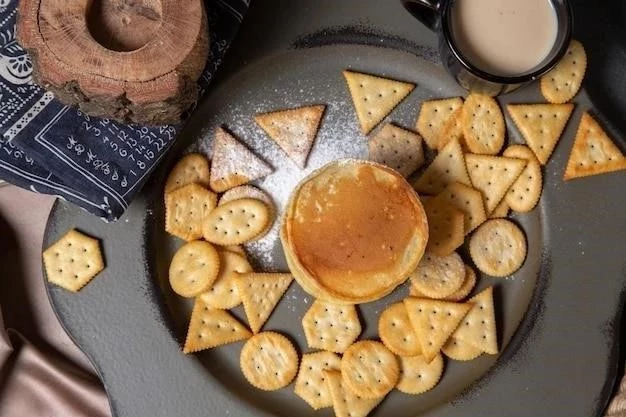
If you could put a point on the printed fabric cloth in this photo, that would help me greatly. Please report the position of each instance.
(97, 164)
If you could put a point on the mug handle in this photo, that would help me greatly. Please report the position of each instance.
(426, 11)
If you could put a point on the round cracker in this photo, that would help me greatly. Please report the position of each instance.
(236, 222)
(269, 361)
(562, 83)
(369, 369)
(223, 293)
(396, 332)
(498, 247)
(194, 267)
(460, 351)
(417, 375)
(524, 194)
(250, 191)
(191, 168)
(438, 277)
(468, 285)
(483, 124)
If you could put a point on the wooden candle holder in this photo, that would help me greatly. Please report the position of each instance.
(135, 61)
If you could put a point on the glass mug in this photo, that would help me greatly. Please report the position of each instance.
(436, 15)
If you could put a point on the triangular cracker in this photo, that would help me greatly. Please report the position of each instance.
(209, 327)
(294, 130)
(434, 114)
(260, 292)
(434, 321)
(479, 325)
(452, 130)
(345, 402)
(467, 199)
(593, 152)
(445, 227)
(397, 148)
(233, 164)
(447, 167)
(493, 175)
(374, 97)
(541, 125)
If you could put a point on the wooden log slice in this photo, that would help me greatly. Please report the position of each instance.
(135, 61)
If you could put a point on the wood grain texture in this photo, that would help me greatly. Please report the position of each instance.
(130, 60)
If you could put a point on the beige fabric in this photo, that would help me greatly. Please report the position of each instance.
(42, 372)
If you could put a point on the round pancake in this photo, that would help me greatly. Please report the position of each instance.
(352, 231)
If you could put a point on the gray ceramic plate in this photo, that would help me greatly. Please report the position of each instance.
(556, 315)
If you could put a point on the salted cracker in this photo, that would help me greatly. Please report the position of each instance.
(345, 402)
(452, 129)
(185, 210)
(467, 199)
(233, 163)
(269, 361)
(483, 124)
(498, 247)
(493, 176)
(541, 125)
(250, 191)
(397, 148)
(593, 152)
(73, 260)
(445, 227)
(459, 350)
(369, 369)
(525, 192)
(561, 84)
(331, 327)
(293, 130)
(374, 97)
(260, 293)
(433, 116)
(194, 268)
(438, 276)
(448, 166)
(224, 293)
(191, 168)
(210, 327)
(396, 332)
(469, 282)
(478, 327)
(417, 375)
(311, 384)
(236, 222)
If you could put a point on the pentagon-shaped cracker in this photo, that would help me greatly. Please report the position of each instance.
(460, 351)
(269, 361)
(493, 176)
(396, 332)
(397, 148)
(498, 247)
(294, 130)
(194, 268)
(478, 328)
(236, 222)
(445, 227)
(185, 210)
(437, 276)
(209, 327)
(369, 369)
(331, 327)
(224, 293)
(374, 97)
(311, 383)
(260, 293)
(467, 199)
(433, 116)
(541, 125)
(525, 192)
(233, 164)
(417, 375)
(345, 402)
(447, 167)
(73, 260)
(191, 168)
(483, 124)
(434, 321)
(561, 84)
(593, 152)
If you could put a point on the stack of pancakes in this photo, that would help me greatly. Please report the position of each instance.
(353, 231)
